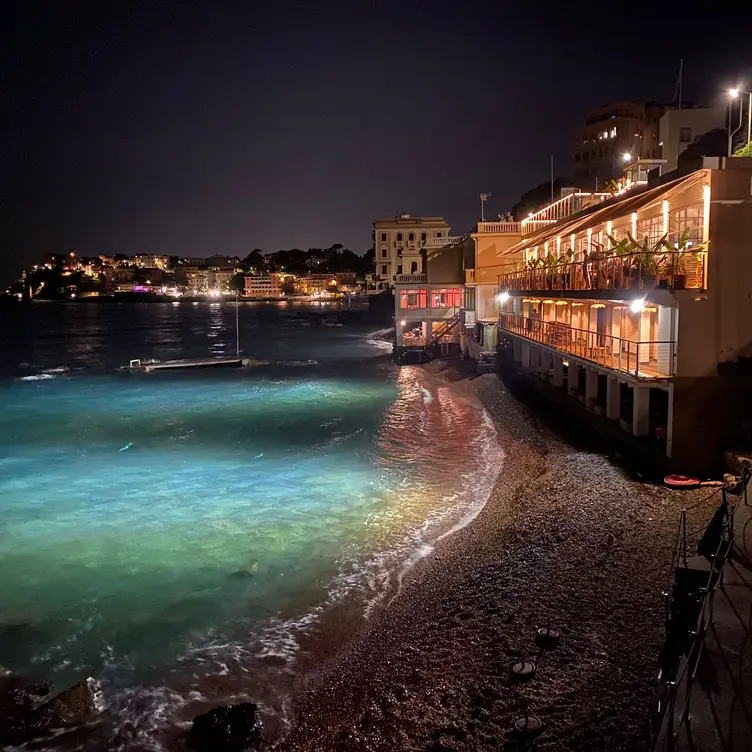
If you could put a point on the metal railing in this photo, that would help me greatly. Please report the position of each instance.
(408, 279)
(689, 613)
(643, 360)
(635, 271)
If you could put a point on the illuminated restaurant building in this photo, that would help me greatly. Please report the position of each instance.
(639, 307)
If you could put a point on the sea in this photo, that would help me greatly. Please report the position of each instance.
(194, 539)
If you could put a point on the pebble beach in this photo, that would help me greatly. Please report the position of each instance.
(567, 540)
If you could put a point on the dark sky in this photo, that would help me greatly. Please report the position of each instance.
(201, 128)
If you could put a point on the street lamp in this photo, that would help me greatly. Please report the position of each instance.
(734, 94)
(626, 157)
(483, 198)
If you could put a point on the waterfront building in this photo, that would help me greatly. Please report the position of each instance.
(400, 244)
(264, 286)
(194, 279)
(608, 134)
(219, 279)
(648, 333)
(317, 284)
(428, 306)
(678, 128)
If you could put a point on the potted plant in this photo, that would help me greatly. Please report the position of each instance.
(681, 253)
(619, 256)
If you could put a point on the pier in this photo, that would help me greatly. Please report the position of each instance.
(194, 363)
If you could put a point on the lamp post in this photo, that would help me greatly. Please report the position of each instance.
(483, 198)
(734, 94)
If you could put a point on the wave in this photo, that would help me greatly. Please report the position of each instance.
(37, 377)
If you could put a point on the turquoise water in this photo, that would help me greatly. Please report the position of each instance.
(178, 536)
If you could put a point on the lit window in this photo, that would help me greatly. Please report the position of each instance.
(449, 298)
(413, 299)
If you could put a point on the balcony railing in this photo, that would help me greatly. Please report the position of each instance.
(410, 279)
(500, 227)
(643, 360)
(635, 271)
(441, 242)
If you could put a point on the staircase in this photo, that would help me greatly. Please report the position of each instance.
(435, 345)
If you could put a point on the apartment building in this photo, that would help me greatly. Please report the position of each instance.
(400, 244)
(264, 286)
(678, 128)
(611, 132)
(317, 284)
(652, 333)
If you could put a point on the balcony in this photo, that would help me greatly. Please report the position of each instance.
(411, 279)
(634, 271)
(441, 242)
(641, 360)
(499, 227)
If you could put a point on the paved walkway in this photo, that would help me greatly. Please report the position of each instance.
(721, 697)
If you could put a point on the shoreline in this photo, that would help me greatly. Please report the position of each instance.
(566, 539)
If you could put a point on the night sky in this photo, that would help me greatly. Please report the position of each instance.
(205, 128)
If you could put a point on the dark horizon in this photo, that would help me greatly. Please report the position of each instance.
(217, 130)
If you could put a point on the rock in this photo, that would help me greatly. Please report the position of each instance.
(78, 704)
(231, 728)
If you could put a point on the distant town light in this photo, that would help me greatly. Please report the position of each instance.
(734, 93)
(637, 305)
(502, 297)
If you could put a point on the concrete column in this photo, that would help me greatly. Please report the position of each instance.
(517, 349)
(426, 330)
(545, 364)
(591, 387)
(644, 349)
(558, 379)
(525, 361)
(535, 356)
(613, 398)
(573, 377)
(641, 411)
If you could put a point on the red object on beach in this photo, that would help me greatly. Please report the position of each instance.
(681, 481)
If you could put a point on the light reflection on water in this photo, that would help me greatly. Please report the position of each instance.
(243, 508)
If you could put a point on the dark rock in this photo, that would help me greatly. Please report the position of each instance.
(231, 728)
(78, 704)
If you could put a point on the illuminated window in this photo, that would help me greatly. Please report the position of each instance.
(446, 298)
(413, 299)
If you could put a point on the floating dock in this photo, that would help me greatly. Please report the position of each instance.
(192, 364)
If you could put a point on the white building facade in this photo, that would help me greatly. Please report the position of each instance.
(400, 245)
